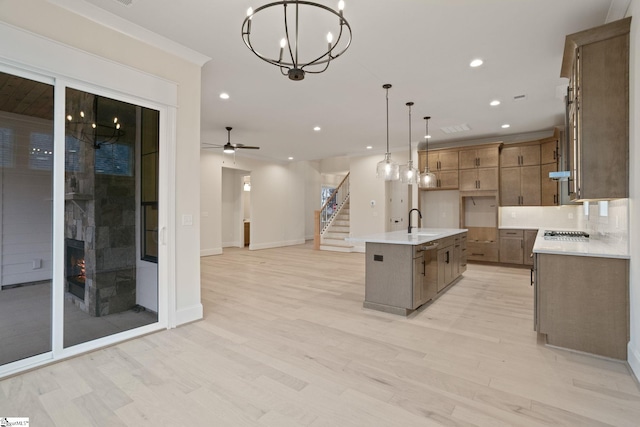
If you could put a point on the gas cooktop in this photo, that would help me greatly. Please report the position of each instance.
(568, 236)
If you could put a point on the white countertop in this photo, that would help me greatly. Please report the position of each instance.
(594, 247)
(418, 236)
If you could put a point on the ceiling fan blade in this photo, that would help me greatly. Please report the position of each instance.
(249, 147)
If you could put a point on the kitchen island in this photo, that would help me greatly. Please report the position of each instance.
(405, 270)
(581, 295)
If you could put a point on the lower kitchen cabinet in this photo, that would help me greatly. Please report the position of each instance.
(582, 303)
(445, 263)
(482, 251)
(516, 246)
(400, 278)
(511, 246)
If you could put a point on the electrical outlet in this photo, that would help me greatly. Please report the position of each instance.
(187, 219)
(570, 215)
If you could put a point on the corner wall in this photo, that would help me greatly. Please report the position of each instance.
(633, 355)
(68, 28)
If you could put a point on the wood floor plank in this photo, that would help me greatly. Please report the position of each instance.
(285, 341)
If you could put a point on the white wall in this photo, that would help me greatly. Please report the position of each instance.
(26, 208)
(634, 190)
(232, 207)
(65, 27)
(278, 213)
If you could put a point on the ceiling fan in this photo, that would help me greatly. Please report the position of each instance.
(230, 148)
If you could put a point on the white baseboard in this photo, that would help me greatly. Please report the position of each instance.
(270, 245)
(633, 358)
(189, 314)
(209, 252)
(234, 244)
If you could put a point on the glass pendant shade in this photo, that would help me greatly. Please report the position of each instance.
(408, 174)
(427, 179)
(387, 169)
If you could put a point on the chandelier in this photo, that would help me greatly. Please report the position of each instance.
(290, 60)
(85, 127)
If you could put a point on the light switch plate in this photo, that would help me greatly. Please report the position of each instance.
(187, 219)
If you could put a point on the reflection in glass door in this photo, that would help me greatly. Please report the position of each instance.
(26, 217)
(111, 217)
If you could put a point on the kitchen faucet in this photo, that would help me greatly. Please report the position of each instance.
(420, 216)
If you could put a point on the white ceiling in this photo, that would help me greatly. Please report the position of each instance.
(422, 47)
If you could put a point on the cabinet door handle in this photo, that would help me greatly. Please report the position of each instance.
(531, 276)
(447, 261)
(555, 197)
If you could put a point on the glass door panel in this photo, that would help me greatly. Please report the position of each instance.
(110, 222)
(26, 217)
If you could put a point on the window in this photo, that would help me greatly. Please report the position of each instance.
(149, 184)
(41, 151)
(6, 148)
(114, 159)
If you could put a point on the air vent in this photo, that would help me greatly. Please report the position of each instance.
(126, 2)
(455, 128)
(520, 97)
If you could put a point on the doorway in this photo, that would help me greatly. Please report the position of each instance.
(236, 208)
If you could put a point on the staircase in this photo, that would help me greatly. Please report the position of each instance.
(333, 238)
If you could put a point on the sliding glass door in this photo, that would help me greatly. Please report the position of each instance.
(110, 231)
(107, 280)
(26, 212)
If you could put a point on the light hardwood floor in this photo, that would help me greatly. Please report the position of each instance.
(285, 342)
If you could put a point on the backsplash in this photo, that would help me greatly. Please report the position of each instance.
(613, 227)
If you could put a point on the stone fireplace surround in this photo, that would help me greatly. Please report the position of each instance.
(100, 210)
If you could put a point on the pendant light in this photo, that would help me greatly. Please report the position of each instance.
(387, 169)
(427, 179)
(409, 174)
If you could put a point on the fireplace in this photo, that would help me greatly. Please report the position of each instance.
(75, 271)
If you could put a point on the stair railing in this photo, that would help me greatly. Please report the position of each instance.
(330, 209)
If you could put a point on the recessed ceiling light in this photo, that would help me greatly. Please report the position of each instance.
(494, 103)
(369, 147)
(506, 125)
(317, 128)
(290, 158)
(476, 63)
(427, 136)
(224, 95)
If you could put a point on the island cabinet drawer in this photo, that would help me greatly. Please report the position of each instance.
(443, 243)
(482, 251)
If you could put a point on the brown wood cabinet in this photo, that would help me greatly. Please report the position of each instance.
(480, 157)
(479, 167)
(479, 179)
(596, 61)
(549, 159)
(582, 303)
(516, 246)
(443, 160)
(520, 174)
(519, 155)
(444, 165)
(520, 186)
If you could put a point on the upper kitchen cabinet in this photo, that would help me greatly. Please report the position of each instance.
(479, 167)
(549, 161)
(443, 163)
(596, 62)
(520, 174)
(517, 155)
(482, 156)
